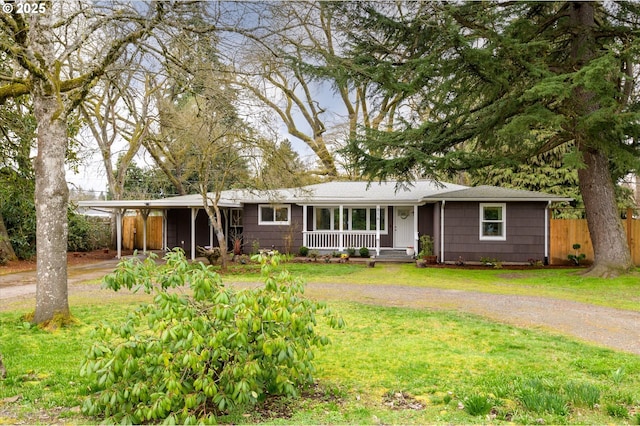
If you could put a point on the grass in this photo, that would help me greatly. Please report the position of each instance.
(568, 284)
(389, 365)
(459, 368)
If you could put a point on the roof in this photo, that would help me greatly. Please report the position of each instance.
(373, 192)
(495, 193)
(342, 192)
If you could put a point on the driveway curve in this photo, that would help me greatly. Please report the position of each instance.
(613, 328)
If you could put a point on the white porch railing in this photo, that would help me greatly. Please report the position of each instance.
(340, 240)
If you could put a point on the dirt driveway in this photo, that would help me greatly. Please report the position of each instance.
(608, 327)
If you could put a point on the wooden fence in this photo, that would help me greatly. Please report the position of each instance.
(132, 232)
(565, 233)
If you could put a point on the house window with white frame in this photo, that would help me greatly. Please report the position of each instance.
(269, 214)
(354, 218)
(493, 221)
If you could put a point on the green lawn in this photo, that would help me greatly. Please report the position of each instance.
(389, 365)
(569, 284)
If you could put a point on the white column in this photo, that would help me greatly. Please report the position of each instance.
(145, 216)
(341, 244)
(194, 213)
(144, 234)
(304, 226)
(165, 228)
(378, 230)
(119, 233)
(226, 232)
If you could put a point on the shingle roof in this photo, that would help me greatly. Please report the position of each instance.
(495, 193)
(344, 192)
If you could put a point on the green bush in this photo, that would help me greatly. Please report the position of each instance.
(364, 252)
(303, 251)
(190, 358)
(87, 233)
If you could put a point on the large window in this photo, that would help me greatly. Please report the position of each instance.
(274, 214)
(493, 222)
(354, 219)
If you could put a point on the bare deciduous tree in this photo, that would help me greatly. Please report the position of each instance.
(58, 55)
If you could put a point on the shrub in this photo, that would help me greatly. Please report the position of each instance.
(364, 252)
(351, 251)
(303, 251)
(188, 359)
(87, 233)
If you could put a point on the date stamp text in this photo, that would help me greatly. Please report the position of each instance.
(24, 8)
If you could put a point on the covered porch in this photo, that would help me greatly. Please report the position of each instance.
(379, 227)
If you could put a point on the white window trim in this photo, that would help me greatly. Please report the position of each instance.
(274, 222)
(502, 237)
(371, 219)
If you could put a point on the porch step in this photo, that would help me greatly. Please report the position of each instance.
(394, 256)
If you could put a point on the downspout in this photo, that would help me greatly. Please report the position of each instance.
(546, 233)
(442, 231)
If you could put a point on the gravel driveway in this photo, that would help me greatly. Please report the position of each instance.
(608, 327)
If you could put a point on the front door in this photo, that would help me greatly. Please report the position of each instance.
(403, 232)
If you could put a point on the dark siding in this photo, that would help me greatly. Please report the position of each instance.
(179, 229)
(525, 233)
(268, 236)
(425, 220)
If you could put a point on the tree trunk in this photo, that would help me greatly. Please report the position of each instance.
(213, 211)
(611, 251)
(5, 244)
(612, 256)
(52, 196)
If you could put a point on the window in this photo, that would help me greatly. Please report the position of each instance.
(274, 215)
(355, 218)
(493, 222)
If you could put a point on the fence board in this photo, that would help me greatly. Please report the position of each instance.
(132, 233)
(565, 233)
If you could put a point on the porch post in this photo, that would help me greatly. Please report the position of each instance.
(341, 243)
(377, 230)
(119, 233)
(415, 226)
(194, 213)
(226, 232)
(165, 227)
(304, 226)
(145, 216)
